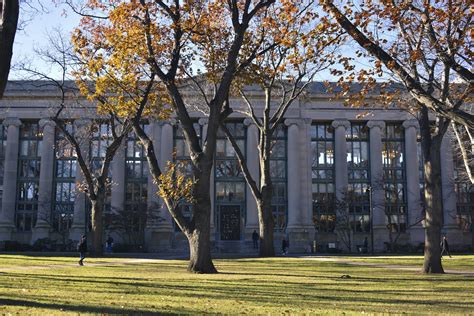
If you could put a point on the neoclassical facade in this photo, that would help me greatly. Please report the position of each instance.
(339, 178)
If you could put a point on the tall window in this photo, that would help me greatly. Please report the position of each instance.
(136, 180)
(229, 183)
(64, 182)
(357, 138)
(464, 193)
(3, 143)
(278, 168)
(28, 176)
(184, 165)
(394, 177)
(101, 138)
(322, 167)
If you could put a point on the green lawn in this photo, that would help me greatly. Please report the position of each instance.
(54, 285)
(456, 262)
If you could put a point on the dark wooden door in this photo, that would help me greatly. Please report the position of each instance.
(230, 222)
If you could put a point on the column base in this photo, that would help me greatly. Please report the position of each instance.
(457, 239)
(300, 238)
(6, 230)
(158, 238)
(40, 231)
(417, 235)
(76, 232)
(380, 238)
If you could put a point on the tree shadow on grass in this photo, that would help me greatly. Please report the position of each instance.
(80, 308)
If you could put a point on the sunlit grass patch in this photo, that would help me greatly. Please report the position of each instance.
(244, 286)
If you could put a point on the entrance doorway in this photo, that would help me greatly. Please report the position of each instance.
(230, 221)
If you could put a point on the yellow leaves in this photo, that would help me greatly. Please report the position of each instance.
(174, 185)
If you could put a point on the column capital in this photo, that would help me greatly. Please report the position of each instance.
(341, 122)
(293, 121)
(171, 121)
(411, 123)
(82, 122)
(203, 121)
(248, 121)
(376, 123)
(308, 121)
(46, 122)
(14, 121)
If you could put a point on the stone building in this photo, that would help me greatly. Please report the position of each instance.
(325, 159)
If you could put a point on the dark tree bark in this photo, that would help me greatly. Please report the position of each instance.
(9, 12)
(97, 214)
(431, 149)
(200, 259)
(264, 204)
(266, 223)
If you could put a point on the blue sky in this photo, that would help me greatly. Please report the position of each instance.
(36, 25)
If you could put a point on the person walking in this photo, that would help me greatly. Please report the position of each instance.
(82, 249)
(284, 245)
(366, 245)
(109, 243)
(255, 239)
(444, 247)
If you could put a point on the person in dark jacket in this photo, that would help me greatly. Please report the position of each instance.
(444, 247)
(255, 239)
(82, 249)
(284, 245)
(109, 244)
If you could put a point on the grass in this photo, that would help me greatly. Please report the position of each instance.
(243, 286)
(457, 262)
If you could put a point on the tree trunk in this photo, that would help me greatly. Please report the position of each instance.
(9, 12)
(434, 209)
(200, 260)
(265, 220)
(97, 207)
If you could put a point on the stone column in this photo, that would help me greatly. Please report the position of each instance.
(298, 230)
(293, 174)
(162, 233)
(117, 191)
(340, 156)
(7, 214)
(252, 161)
(79, 223)
(154, 202)
(417, 234)
(340, 160)
(45, 194)
(450, 226)
(376, 181)
(166, 155)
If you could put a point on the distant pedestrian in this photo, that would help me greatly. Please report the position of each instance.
(109, 243)
(255, 239)
(82, 249)
(284, 246)
(366, 245)
(444, 247)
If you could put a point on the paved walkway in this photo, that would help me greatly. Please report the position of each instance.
(386, 266)
(165, 259)
(74, 264)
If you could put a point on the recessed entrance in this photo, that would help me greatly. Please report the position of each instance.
(229, 222)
